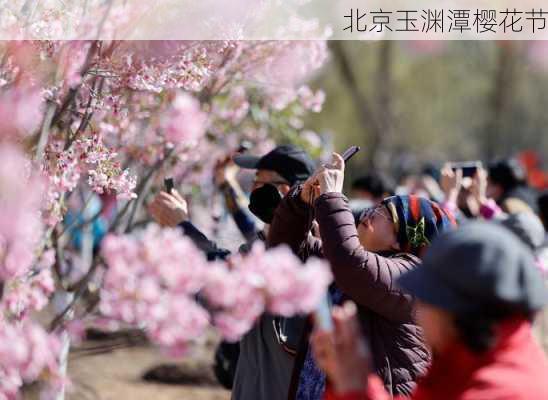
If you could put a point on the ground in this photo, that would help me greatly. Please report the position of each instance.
(116, 373)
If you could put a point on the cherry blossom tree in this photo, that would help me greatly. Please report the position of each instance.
(87, 131)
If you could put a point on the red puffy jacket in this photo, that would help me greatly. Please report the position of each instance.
(515, 369)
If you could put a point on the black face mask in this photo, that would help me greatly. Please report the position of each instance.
(264, 201)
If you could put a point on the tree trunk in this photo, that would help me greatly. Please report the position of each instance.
(503, 85)
(375, 117)
(385, 110)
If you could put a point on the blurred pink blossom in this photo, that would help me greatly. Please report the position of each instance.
(184, 123)
(273, 281)
(310, 100)
(20, 224)
(150, 281)
(26, 351)
(20, 111)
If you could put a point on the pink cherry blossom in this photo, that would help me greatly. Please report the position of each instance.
(26, 351)
(184, 123)
(310, 100)
(112, 113)
(290, 288)
(237, 297)
(20, 111)
(234, 107)
(20, 225)
(273, 281)
(153, 276)
(150, 280)
(72, 61)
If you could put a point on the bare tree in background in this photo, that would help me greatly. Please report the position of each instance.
(500, 102)
(375, 114)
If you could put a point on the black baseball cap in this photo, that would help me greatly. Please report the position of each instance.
(291, 162)
(480, 266)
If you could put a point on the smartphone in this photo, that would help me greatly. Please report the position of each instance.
(322, 315)
(350, 152)
(469, 168)
(168, 184)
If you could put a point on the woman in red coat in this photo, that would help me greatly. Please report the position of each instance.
(477, 292)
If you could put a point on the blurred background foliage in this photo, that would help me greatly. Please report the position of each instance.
(411, 103)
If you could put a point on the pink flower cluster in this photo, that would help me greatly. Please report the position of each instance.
(234, 107)
(153, 280)
(25, 294)
(87, 155)
(237, 300)
(71, 61)
(150, 281)
(272, 281)
(310, 100)
(20, 111)
(20, 224)
(155, 66)
(26, 352)
(120, 114)
(184, 123)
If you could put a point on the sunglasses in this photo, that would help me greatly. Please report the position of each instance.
(374, 212)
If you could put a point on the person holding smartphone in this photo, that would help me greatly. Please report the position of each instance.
(259, 366)
(366, 259)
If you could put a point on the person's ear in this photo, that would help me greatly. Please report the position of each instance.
(284, 189)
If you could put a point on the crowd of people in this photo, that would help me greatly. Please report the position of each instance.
(439, 281)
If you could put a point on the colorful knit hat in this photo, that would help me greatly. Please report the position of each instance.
(417, 221)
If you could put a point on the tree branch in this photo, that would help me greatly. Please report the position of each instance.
(365, 111)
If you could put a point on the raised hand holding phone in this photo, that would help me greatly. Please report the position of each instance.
(168, 208)
(330, 178)
(312, 188)
(469, 168)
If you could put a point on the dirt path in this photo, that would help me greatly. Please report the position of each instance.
(116, 375)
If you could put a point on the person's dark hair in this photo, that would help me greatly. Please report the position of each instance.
(507, 173)
(477, 330)
(375, 183)
(432, 170)
(543, 208)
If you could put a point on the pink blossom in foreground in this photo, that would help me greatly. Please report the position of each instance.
(150, 281)
(20, 225)
(25, 294)
(290, 288)
(110, 123)
(184, 123)
(237, 298)
(183, 321)
(274, 281)
(20, 111)
(26, 353)
(152, 278)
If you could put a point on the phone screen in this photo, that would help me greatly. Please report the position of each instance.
(469, 168)
(168, 184)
